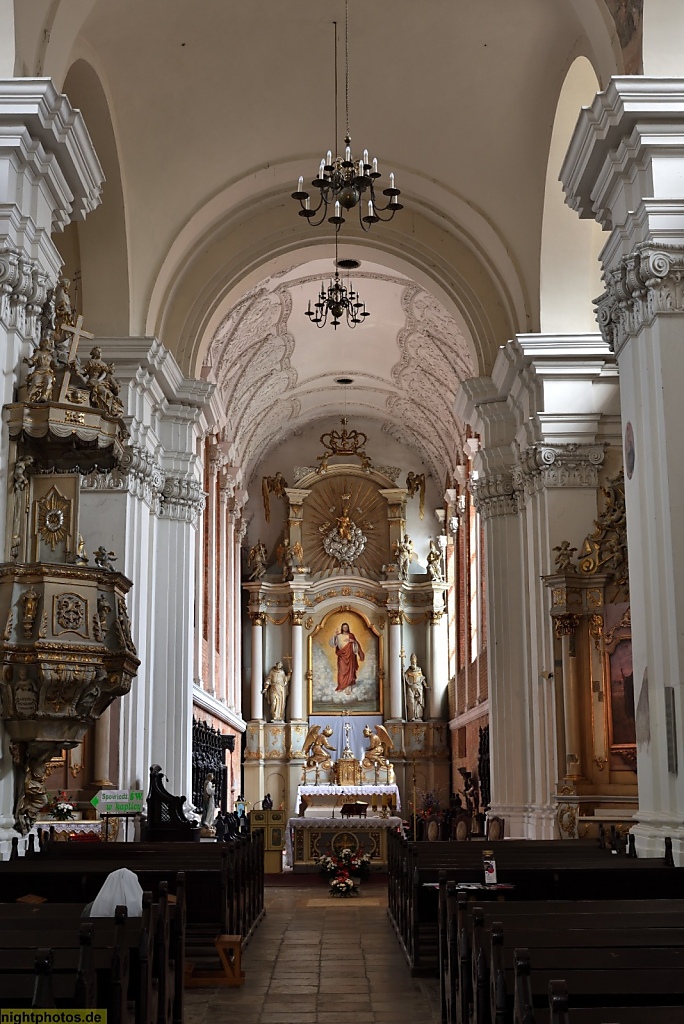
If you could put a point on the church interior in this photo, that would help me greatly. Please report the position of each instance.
(338, 484)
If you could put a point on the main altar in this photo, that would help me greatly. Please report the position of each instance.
(348, 654)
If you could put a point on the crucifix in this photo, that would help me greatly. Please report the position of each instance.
(77, 333)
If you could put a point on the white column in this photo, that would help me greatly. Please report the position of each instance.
(224, 581)
(297, 680)
(396, 709)
(212, 572)
(233, 598)
(257, 666)
(439, 681)
(199, 586)
(103, 728)
(629, 178)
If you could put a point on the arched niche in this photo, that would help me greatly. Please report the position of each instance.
(95, 251)
(569, 266)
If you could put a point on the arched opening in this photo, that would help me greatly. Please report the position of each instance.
(95, 251)
(569, 265)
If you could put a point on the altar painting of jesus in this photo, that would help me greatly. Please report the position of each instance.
(349, 653)
(345, 660)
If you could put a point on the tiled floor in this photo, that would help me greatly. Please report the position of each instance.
(316, 960)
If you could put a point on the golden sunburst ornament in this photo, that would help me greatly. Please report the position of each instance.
(54, 518)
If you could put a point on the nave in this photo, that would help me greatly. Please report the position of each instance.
(316, 960)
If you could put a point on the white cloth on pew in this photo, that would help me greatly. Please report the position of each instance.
(120, 888)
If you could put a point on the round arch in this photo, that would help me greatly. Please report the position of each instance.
(570, 275)
(95, 251)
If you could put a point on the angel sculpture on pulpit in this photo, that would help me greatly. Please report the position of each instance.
(379, 747)
(316, 747)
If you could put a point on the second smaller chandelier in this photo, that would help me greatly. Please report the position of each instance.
(337, 302)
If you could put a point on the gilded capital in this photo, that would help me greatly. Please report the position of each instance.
(396, 618)
(297, 618)
(258, 618)
(565, 625)
(435, 618)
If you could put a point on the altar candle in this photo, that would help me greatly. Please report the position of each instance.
(300, 183)
(384, 799)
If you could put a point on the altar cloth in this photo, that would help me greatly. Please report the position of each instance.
(333, 825)
(324, 789)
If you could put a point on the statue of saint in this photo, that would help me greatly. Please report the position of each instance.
(275, 688)
(434, 562)
(41, 380)
(349, 653)
(404, 553)
(258, 556)
(416, 686)
(99, 379)
(209, 805)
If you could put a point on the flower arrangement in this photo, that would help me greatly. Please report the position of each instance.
(342, 885)
(352, 863)
(61, 808)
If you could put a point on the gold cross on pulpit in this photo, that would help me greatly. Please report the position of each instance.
(77, 333)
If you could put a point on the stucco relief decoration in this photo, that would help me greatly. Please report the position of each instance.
(345, 526)
(605, 549)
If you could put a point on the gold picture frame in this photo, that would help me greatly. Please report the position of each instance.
(327, 671)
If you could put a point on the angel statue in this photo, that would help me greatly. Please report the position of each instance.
(272, 485)
(379, 747)
(316, 747)
(258, 557)
(564, 557)
(415, 483)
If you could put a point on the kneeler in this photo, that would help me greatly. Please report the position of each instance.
(229, 949)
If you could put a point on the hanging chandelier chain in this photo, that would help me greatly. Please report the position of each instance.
(336, 100)
(346, 63)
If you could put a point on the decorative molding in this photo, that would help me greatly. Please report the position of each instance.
(23, 291)
(643, 284)
(565, 625)
(181, 499)
(567, 465)
(495, 495)
(139, 476)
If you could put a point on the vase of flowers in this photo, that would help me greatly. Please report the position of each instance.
(343, 885)
(61, 808)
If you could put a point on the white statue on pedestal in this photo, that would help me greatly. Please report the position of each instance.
(416, 686)
(275, 688)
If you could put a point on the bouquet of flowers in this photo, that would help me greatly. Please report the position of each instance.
(352, 863)
(342, 885)
(61, 808)
(327, 865)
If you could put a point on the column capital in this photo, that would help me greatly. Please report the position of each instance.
(564, 465)
(565, 625)
(297, 617)
(257, 618)
(495, 495)
(640, 286)
(396, 617)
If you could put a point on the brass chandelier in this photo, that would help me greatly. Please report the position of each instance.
(337, 302)
(345, 183)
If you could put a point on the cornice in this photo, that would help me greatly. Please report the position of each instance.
(205, 701)
(23, 290)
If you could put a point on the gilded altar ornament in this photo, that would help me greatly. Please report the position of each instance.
(25, 694)
(98, 377)
(53, 518)
(275, 690)
(415, 484)
(290, 557)
(344, 442)
(71, 612)
(605, 549)
(403, 556)
(434, 563)
(345, 541)
(316, 747)
(43, 629)
(123, 626)
(21, 479)
(40, 382)
(81, 553)
(272, 485)
(29, 601)
(258, 557)
(100, 618)
(376, 756)
(564, 559)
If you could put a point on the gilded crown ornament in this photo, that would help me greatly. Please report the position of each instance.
(343, 442)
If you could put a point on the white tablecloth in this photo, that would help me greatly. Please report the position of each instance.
(350, 791)
(70, 826)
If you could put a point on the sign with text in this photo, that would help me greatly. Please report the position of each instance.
(118, 801)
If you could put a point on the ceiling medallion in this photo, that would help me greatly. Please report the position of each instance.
(53, 518)
(343, 442)
(343, 182)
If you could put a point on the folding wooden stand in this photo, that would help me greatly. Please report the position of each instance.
(229, 949)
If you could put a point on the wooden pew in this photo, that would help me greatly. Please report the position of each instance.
(560, 1012)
